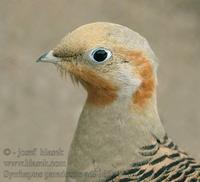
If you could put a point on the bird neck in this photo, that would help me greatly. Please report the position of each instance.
(110, 137)
(124, 112)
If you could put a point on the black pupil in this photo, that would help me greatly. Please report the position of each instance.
(100, 55)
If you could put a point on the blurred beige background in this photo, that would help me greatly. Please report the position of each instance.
(39, 109)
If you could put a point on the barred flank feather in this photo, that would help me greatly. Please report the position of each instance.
(165, 163)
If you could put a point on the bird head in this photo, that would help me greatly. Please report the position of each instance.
(111, 62)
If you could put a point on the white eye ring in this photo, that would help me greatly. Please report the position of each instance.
(100, 55)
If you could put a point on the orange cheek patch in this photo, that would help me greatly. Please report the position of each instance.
(143, 69)
(100, 91)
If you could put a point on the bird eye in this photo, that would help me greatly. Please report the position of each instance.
(100, 55)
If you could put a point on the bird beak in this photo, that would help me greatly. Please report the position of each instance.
(48, 58)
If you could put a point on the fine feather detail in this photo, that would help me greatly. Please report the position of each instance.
(64, 73)
(165, 162)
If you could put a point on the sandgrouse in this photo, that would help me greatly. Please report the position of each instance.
(119, 137)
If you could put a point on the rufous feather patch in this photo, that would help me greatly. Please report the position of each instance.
(143, 68)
